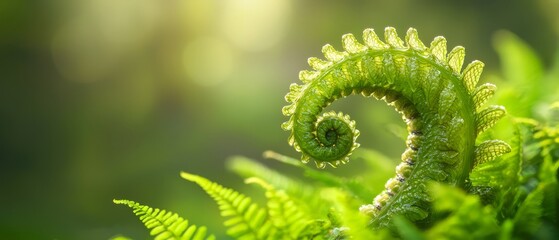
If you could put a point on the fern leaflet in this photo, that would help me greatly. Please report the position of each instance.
(286, 215)
(165, 224)
(245, 219)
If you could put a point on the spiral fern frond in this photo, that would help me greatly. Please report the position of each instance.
(454, 180)
(440, 103)
(165, 224)
(244, 219)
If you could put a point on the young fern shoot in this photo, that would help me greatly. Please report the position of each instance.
(440, 103)
(443, 108)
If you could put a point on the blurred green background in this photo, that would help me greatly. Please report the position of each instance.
(104, 99)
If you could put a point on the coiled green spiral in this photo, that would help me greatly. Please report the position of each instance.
(440, 103)
(332, 139)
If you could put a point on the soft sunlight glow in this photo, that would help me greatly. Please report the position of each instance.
(255, 25)
(101, 34)
(208, 61)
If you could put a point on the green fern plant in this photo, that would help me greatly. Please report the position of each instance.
(455, 181)
(164, 224)
(245, 219)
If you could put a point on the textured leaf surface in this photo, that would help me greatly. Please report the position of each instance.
(483, 93)
(488, 117)
(490, 149)
(456, 58)
(472, 74)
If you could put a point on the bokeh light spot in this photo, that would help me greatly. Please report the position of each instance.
(100, 35)
(255, 25)
(208, 61)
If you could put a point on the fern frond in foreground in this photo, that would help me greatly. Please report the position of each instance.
(245, 219)
(441, 104)
(455, 181)
(165, 224)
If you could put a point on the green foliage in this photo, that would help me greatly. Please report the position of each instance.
(245, 219)
(285, 215)
(440, 103)
(502, 196)
(467, 217)
(164, 224)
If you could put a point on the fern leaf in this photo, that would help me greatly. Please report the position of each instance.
(391, 37)
(351, 45)
(456, 58)
(489, 150)
(245, 219)
(413, 40)
(308, 75)
(372, 40)
(489, 117)
(503, 173)
(301, 193)
(483, 93)
(318, 64)
(331, 54)
(468, 218)
(295, 89)
(286, 215)
(438, 48)
(246, 168)
(324, 177)
(527, 218)
(352, 222)
(164, 224)
(472, 74)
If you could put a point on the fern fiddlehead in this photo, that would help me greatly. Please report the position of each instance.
(440, 103)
